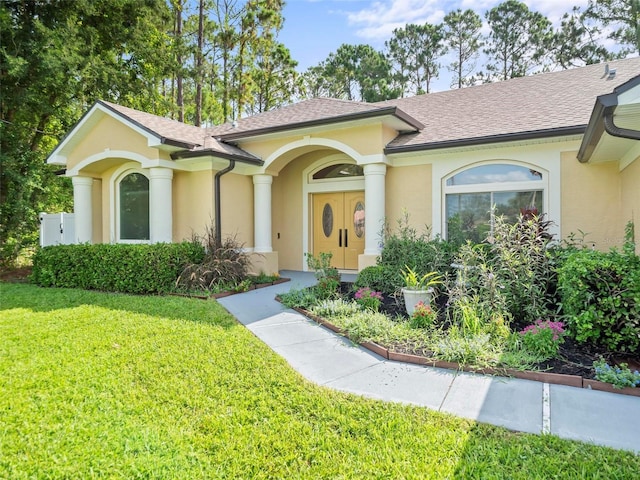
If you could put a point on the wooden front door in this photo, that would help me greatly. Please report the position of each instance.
(338, 227)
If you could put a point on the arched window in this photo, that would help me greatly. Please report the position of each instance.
(475, 196)
(133, 207)
(340, 170)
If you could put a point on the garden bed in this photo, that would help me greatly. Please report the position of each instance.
(572, 367)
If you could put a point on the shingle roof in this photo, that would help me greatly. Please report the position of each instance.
(543, 102)
(194, 139)
(305, 113)
(548, 104)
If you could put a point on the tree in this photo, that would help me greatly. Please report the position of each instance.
(414, 52)
(518, 40)
(574, 43)
(464, 39)
(57, 58)
(354, 72)
(623, 16)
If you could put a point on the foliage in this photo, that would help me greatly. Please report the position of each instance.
(414, 281)
(300, 298)
(621, 16)
(224, 262)
(543, 338)
(405, 246)
(335, 308)
(620, 376)
(518, 39)
(377, 278)
(328, 277)
(96, 400)
(465, 349)
(464, 40)
(368, 299)
(414, 51)
(600, 294)
(423, 316)
(123, 268)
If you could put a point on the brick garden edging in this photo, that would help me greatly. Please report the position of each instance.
(546, 377)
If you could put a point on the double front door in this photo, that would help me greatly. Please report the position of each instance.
(338, 227)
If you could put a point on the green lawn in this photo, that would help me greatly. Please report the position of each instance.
(96, 385)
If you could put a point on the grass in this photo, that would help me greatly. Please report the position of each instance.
(96, 385)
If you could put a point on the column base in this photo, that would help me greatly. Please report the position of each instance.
(366, 260)
(266, 263)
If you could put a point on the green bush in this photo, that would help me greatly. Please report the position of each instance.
(405, 246)
(600, 294)
(139, 269)
(377, 277)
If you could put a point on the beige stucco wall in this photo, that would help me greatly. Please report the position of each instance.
(630, 197)
(408, 189)
(591, 195)
(237, 207)
(96, 206)
(192, 203)
(109, 133)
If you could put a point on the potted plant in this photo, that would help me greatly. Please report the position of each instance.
(418, 288)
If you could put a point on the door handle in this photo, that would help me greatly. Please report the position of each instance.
(346, 238)
(340, 238)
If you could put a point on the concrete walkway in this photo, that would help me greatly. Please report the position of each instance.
(330, 360)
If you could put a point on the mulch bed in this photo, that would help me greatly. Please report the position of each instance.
(573, 359)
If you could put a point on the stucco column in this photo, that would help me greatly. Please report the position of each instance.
(160, 205)
(374, 201)
(83, 208)
(262, 213)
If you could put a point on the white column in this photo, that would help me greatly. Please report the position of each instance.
(160, 205)
(83, 208)
(374, 202)
(262, 213)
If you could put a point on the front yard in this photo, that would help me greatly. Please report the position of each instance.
(97, 385)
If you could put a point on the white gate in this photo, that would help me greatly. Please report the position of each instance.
(57, 229)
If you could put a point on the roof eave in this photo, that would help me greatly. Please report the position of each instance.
(381, 112)
(468, 142)
(209, 152)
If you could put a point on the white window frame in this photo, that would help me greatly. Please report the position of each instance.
(118, 177)
(495, 187)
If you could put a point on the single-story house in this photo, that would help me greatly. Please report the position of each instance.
(323, 175)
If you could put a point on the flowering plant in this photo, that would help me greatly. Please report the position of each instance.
(423, 316)
(619, 376)
(544, 337)
(368, 298)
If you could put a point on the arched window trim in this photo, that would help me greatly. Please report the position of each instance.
(118, 179)
(496, 187)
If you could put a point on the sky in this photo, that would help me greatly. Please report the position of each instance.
(315, 28)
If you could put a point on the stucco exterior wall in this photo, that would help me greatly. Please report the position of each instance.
(236, 208)
(96, 214)
(192, 203)
(409, 189)
(630, 197)
(287, 212)
(110, 134)
(591, 195)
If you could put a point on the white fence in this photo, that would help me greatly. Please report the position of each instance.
(57, 229)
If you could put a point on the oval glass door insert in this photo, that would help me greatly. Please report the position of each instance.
(327, 220)
(358, 220)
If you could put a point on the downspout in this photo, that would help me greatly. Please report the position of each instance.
(232, 164)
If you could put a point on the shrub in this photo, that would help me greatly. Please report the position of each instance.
(224, 263)
(125, 268)
(405, 246)
(335, 308)
(423, 316)
(377, 277)
(328, 277)
(600, 294)
(543, 338)
(369, 299)
(299, 298)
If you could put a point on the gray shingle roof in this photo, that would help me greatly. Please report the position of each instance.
(551, 103)
(540, 102)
